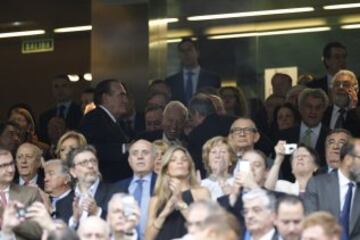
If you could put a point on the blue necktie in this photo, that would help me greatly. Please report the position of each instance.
(345, 213)
(138, 197)
(189, 86)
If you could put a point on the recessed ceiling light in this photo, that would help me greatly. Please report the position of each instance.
(341, 6)
(22, 33)
(73, 29)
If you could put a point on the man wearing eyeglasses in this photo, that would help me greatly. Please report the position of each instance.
(338, 192)
(10, 192)
(91, 194)
(344, 112)
(333, 143)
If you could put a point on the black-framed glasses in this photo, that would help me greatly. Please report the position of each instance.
(6, 165)
(244, 131)
(87, 162)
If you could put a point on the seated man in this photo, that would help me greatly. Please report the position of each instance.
(94, 228)
(28, 164)
(58, 186)
(24, 195)
(122, 222)
(321, 226)
(91, 193)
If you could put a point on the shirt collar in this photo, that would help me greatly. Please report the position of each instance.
(6, 190)
(146, 178)
(343, 180)
(315, 129)
(33, 181)
(195, 70)
(171, 142)
(91, 190)
(108, 113)
(62, 195)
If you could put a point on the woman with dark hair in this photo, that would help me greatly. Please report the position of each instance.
(176, 187)
(285, 116)
(235, 102)
(304, 164)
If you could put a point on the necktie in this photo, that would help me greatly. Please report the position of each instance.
(189, 86)
(138, 191)
(61, 111)
(345, 213)
(3, 200)
(307, 137)
(341, 119)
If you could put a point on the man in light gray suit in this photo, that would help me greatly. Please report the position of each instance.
(339, 191)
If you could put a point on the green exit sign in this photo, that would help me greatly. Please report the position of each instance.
(37, 45)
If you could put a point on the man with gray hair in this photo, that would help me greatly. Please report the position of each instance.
(94, 228)
(28, 165)
(173, 123)
(259, 214)
(344, 112)
(58, 186)
(311, 132)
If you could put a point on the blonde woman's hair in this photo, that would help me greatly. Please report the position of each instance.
(70, 134)
(210, 144)
(162, 189)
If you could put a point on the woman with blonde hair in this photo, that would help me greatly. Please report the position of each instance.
(176, 187)
(161, 147)
(218, 158)
(67, 142)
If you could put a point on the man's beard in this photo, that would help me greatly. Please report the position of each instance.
(342, 100)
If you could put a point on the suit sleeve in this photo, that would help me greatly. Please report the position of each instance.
(311, 196)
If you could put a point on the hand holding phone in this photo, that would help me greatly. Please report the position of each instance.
(290, 148)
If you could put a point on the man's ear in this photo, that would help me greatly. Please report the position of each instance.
(256, 137)
(72, 172)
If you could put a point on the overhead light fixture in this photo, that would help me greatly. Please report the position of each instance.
(22, 33)
(250, 14)
(87, 76)
(269, 33)
(342, 6)
(350, 26)
(174, 40)
(73, 77)
(171, 20)
(73, 29)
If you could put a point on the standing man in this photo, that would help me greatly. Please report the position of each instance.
(142, 155)
(28, 230)
(192, 78)
(102, 129)
(65, 107)
(334, 59)
(338, 192)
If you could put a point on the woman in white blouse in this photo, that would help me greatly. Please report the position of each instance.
(304, 163)
(218, 157)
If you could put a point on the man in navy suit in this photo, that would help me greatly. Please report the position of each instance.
(191, 78)
(142, 155)
(311, 132)
(91, 193)
(334, 59)
(101, 129)
(65, 108)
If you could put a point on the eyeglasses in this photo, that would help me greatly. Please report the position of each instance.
(244, 131)
(86, 162)
(6, 165)
(343, 84)
(337, 143)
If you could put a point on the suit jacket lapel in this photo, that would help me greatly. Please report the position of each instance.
(355, 212)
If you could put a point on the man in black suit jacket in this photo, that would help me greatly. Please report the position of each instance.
(91, 193)
(102, 130)
(142, 155)
(65, 108)
(28, 165)
(192, 78)
(311, 132)
(334, 59)
(339, 191)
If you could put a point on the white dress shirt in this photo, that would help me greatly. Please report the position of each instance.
(343, 187)
(194, 78)
(32, 182)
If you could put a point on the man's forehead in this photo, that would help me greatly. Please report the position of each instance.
(5, 157)
(84, 155)
(141, 144)
(244, 123)
(339, 136)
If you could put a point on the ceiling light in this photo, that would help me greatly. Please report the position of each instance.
(350, 26)
(87, 76)
(22, 33)
(341, 6)
(250, 14)
(269, 33)
(73, 77)
(73, 29)
(174, 40)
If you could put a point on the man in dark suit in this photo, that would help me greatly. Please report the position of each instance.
(28, 164)
(57, 185)
(10, 192)
(142, 155)
(91, 193)
(207, 124)
(344, 112)
(192, 78)
(339, 192)
(102, 129)
(334, 59)
(311, 132)
(65, 108)
(334, 141)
